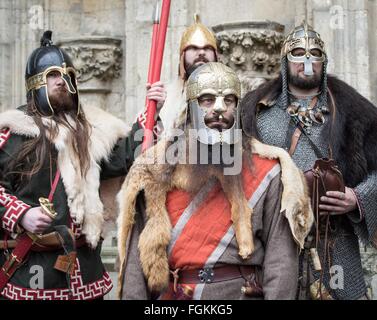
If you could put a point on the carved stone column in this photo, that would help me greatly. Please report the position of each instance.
(98, 61)
(252, 49)
(5, 63)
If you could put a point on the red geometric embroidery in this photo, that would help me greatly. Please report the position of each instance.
(15, 209)
(76, 227)
(142, 119)
(4, 136)
(79, 291)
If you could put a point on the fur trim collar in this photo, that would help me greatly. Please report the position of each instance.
(82, 193)
(352, 127)
(157, 180)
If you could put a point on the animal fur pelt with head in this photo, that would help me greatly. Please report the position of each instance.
(352, 132)
(83, 197)
(158, 179)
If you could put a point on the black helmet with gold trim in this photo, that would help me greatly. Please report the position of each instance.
(44, 60)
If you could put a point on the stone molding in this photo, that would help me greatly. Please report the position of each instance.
(98, 60)
(252, 49)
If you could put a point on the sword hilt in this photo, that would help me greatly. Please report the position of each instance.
(48, 208)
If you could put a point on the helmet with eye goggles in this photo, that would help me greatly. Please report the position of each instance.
(304, 45)
(43, 61)
(313, 50)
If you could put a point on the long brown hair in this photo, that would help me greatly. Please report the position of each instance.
(32, 156)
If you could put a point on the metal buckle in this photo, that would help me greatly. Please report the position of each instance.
(206, 275)
(9, 265)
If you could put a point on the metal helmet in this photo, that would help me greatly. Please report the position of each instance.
(49, 58)
(306, 38)
(197, 35)
(219, 80)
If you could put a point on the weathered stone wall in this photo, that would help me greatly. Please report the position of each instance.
(347, 27)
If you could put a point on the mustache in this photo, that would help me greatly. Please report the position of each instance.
(310, 83)
(216, 118)
(201, 59)
(61, 89)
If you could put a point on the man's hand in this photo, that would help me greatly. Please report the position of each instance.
(35, 221)
(157, 92)
(337, 202)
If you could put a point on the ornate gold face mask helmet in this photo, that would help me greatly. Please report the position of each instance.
(216, 79)
(197, 35)
(304, 37)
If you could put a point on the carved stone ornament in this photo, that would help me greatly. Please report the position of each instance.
(97, 60)
(252, 49)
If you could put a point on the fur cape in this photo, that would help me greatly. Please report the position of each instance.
(158, 179)
(83, 197)
(352, 132)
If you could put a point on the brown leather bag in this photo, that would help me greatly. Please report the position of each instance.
(324, 176)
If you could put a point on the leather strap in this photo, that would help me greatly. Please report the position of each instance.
(294, 141)
(299, 130)
(54, 185)
(80, 242)
(224, 273)
(7, 244)
(49, 243)
(16, 258)
(315, 148)
(24, 244)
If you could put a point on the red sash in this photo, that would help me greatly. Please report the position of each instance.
(210, 221)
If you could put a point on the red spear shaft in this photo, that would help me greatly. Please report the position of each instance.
(156, 74)
(152, 55)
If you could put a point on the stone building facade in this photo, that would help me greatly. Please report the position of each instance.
(109, 41)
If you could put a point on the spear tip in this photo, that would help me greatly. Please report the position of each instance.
(156, 14)
(196, 18)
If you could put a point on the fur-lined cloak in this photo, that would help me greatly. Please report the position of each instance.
(352, 134)
(85, 205)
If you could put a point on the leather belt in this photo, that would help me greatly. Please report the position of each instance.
(46, 242)
(80, 242)
(210, 275)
